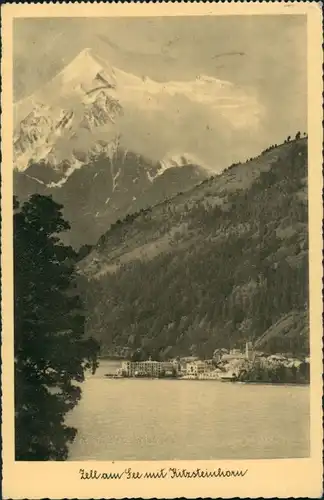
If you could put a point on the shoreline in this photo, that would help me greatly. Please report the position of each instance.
(288, 384)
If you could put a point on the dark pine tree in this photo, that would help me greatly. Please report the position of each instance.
(51, 351)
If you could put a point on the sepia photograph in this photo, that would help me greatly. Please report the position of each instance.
(161, 240)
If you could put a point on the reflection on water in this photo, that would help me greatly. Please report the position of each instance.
(145, 419)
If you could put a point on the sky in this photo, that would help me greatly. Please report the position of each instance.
(264, 58)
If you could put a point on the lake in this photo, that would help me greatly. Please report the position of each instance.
(142, 419)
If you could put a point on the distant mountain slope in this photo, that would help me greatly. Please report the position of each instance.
(106, 189)
(106, 143)
(212, 267)
(73, 139)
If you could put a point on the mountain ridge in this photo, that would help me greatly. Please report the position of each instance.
(89, 100)
(104, 190)
(212, 267)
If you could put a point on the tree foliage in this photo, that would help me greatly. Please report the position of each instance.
(51, 351)
(276, 374)
(229, 272)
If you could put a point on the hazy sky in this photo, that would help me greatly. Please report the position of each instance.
(263, 56)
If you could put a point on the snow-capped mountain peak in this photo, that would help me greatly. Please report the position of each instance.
(84, 68)
(53, 120)
(89, 100)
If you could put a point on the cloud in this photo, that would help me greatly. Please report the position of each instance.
(181, 123)
(217, 99)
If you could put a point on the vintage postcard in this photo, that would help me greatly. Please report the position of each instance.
(161, 250)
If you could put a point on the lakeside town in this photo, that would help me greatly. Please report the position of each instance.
(225, 365)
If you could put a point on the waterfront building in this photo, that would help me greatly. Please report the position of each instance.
(168, 366)
(183, 368)
(197, 367)
(211, 375)
(126, 368)
(148, 368)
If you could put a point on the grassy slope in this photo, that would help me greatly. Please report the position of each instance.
(210, 268)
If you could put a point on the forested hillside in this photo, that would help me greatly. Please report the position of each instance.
(213, 267)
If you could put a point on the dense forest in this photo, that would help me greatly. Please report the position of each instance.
(218, 265)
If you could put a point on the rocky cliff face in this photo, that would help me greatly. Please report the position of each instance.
(52, 134)
(68, 144)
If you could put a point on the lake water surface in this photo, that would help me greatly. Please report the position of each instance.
(132, 419)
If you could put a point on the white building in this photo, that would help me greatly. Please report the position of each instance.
(197, 367)
(211, 375)
(126, 368)
(147, 368)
